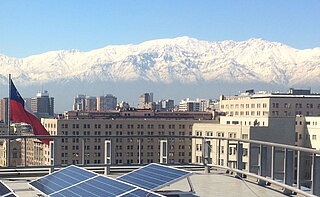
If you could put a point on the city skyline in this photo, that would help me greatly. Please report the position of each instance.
(33, 27)
(205, 91)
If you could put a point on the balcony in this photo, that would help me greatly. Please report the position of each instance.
(221, 166)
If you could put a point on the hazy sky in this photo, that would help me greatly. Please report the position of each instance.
(30, 27)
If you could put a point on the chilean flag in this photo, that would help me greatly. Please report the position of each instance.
(18, 113)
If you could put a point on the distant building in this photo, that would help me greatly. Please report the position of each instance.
(90, 103)
(107, 102)
(15, 152)
(197, 105)
(4, 110)
(124, 150)
(146, 101)
(123, 106)
(189, 105)
(166, 105)
(42, 105)
(272, 104)
(79, 102)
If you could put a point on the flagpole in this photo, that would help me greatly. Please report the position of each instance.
(8, 121)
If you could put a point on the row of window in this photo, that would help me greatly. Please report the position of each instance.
(297, 105)
(237, 106)
(307, 136)
(248, 113)
(118, 126)
(219, 134)
(273, 105)
(124, 133)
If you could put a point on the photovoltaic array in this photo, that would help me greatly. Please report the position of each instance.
(61, 179)
(75, 181)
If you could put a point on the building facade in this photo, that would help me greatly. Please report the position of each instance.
(42, 105)
(79, 102)
(107, 102)
(146, 101)
(264, 104)
(90, 103)
(4, 110)
(124, 150)
(278, 130)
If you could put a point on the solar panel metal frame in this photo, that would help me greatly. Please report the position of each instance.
(163, 185)
(56, 172)
(139, 188)
(11, 192)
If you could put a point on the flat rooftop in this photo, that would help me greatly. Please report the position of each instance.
(204, 184)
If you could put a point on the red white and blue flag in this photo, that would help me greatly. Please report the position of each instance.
(19, 113)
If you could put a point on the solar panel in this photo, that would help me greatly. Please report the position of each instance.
(61, 179)
(97, 186)
(75, 181)
(140, 193)
(154, 176)
(5, 190)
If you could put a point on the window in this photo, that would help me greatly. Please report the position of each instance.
(314, 137)
(245, 136)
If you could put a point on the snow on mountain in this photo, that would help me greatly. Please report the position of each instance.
(181, 59)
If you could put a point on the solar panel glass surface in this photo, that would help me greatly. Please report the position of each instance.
(97, 186)
(153, 176)
(61, 179)
(4, 189)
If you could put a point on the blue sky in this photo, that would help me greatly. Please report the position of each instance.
(36, 26)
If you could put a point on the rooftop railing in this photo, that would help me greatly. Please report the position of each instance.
(294, 169)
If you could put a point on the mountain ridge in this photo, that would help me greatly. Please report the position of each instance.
(182, 59)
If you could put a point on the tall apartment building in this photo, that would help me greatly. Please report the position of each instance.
(272, 104)
(79, 102)
(124, 150)
(189, 105)
(90, 103)
(165, 105)
(146, 101)
(107, 102)
(42, 105)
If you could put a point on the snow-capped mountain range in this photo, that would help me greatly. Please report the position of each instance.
(181, 59)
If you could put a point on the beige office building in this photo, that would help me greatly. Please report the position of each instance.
(278, 130)
(264, 104)
(124, 150)
(15, 152)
